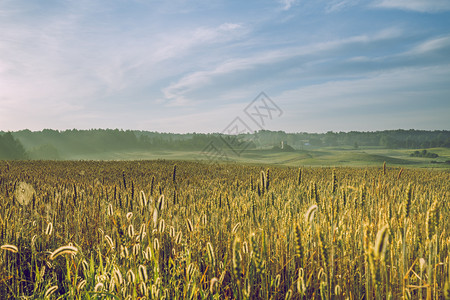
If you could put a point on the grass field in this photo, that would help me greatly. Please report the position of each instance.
(311, 157)
(190, 230)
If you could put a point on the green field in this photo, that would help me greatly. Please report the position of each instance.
(327, 156)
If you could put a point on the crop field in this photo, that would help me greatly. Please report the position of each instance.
(190, 230)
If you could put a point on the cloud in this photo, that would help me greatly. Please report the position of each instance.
(425, 6)
(287, 4)
(179, 43)
(432, 45)
(403, 98)
(246, 67)
(338, 5)
(191, 82)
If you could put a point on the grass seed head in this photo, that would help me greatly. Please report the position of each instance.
(277, 281)
(236, 228)
(178, 237)
(211, 256)
(81, 285)
(131, 277)
(301, 287)
(288, 295)
(381, 242)
(245, 247)
(129, 216)
(142, 231)
(143, 276)
(309, 216)
(110, 211)
(422, 264)
(10, 248)
(49, 229)
(117, 275)
(109, 241)
(162, 226)
(71, 250)
(98, 287)
(50, 291)
(147, 253)
(156, 244)
(213, 285)
(136, 249)
(155, 218)
(142, 199)
(131, 231)
(143, 289)
(189, 225)
(161, 203)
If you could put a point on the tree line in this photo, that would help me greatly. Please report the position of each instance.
(55, 144)
(11, 148)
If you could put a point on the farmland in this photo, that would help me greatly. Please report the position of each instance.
(193, 230)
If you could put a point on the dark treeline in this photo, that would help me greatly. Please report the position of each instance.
(11, 148)
(54, 144)
(393, 139)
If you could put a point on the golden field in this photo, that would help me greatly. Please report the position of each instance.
(192, 230)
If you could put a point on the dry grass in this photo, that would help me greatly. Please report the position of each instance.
(150, 230)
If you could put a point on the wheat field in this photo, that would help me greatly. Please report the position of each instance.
(192, 230)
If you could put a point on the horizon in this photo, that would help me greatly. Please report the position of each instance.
(190, 133)
(208, 66)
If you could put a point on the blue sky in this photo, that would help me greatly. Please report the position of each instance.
(194, 66)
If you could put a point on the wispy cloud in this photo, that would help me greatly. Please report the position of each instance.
(178, 93)
(429, 6)
(338, 5)
(433, 45)
(287, 4)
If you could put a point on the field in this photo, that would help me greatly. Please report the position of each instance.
(191, 230)
(310, 156)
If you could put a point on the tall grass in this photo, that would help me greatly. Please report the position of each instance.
(153, 230)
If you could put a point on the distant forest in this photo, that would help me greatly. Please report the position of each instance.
(54, 144)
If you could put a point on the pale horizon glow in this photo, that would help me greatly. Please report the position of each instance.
(193, 66)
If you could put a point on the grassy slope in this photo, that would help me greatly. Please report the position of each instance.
(313, 157)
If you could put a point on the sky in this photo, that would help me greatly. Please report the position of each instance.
(201, 65)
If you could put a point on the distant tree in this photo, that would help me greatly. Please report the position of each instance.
(415, 154)
(387, 141)
(315, 141)
(331, 139)
(10, 148)
(44, 152)
(424, 153)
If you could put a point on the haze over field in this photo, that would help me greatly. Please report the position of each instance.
(193, 66)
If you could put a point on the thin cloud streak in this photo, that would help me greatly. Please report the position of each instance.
(428, 6)
(313, 54)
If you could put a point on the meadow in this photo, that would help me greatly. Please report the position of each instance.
(310, 156)
(193, 230)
